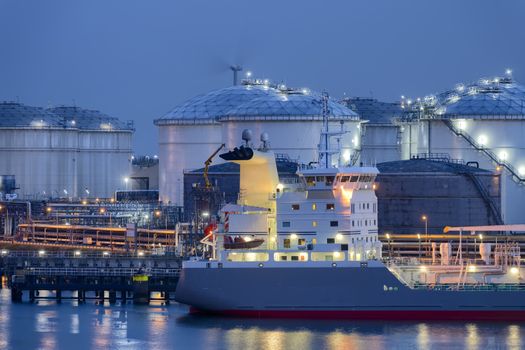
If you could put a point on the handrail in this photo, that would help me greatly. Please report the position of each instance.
(488, 153)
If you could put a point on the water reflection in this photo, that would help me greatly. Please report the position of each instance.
(89, 326)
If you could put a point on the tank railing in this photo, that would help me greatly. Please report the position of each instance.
(70, 254)
(438, 157)
(515, 175)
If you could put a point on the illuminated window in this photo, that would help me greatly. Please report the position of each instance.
(310, 181)
(314, 206)
(301, 241)
(296, 207)
(330, 206)
(314, 223)
(329, 180)
(286, 243)
(345, 178)
(354, 178)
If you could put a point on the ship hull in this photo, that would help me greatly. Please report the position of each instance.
(326, 292)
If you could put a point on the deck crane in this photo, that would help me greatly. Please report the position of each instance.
(207, 165)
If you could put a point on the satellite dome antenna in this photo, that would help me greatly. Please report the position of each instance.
(264, 139)
(247, 136)
(236, 69)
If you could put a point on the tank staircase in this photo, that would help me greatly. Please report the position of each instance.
(514, 173)
(489, 201)
(355, 157)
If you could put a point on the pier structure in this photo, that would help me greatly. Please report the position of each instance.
(100, 276)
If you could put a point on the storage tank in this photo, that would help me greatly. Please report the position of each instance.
(103, 150)
(54, 155)
(380, 134)
(190, 133)
(482, 122)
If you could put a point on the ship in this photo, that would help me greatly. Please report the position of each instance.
(318, 254)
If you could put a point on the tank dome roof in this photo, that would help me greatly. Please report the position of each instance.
(290, 105)
(88, 119)
(17, 115)
(252, 100)
(487, 98)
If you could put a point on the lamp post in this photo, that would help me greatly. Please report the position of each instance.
(419, 240)
(425, 219)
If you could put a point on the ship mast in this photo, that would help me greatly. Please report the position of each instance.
(325, 153)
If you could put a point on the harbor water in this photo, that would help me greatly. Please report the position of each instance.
(69, 325)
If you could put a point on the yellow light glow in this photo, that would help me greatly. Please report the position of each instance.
(314, 206)
(472, 268)
(338, 237)
(337, 254)
(77, 252)
(462, 124)
(514, 270)
(480, 236)
(280, 187)
(272, 239)
(247, 239)
(423, 268)
(140, 253)
(41, 252)
(424, 218)
(418, 236)
(387, 236)
(482, 140)
(374, 187)
(293, 236)
(84, 202)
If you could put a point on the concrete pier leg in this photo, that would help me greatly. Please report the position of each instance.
(59, 295)
(123, 296)
(166, 297)
(141, 293)
(112, 297)
(16, 295)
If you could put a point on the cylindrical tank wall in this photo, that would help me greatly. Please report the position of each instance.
(380, 143)
(64, 162)
(504, 138)
(446, 199)
(186, 147)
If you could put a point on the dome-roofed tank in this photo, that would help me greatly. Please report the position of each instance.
(482, 122)
(188, 134)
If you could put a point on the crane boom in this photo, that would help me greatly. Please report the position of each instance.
(207, 165)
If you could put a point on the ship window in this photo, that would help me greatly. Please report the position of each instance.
(375, 222)
(296, 207)
(301, 241)
(354, 178)
(345, 178)
(329, 180)
(367, 205)
(314, 240)
(284, 257)
(314, 223)
(366, 222)
(330, 240)
(334, 223)
(319, 178)
(314, 206)
(310, 180)
(374, 207)
(367, 239)
(353, 223)
(295, 258)
(286, 223)
(352, 207)
(330, 206)
(286, 243)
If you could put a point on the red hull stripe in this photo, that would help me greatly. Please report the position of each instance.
(426, 315)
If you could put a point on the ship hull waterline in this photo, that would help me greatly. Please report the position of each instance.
(371, 293)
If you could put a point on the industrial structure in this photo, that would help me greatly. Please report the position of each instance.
(63, 152)
(481, 122)
(291, 117)
(380, 133)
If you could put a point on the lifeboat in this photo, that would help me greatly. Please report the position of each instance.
(241, 243)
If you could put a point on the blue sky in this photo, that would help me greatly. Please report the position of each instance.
(138, 59)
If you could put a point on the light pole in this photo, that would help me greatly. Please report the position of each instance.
(425, 219)
(419, 250)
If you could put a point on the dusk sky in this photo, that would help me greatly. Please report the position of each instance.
(136, 60)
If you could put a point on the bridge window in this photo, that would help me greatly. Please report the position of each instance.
(345, 178)
(354, 178)
(320, 178)
(334, 223)
(310, 181)
(296, 207)
(329, 180)
(286, 243)
(330, 206)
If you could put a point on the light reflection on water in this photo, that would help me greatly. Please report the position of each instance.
(47, 325)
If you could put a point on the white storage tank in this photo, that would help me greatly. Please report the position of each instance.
(61, 152)
(481, 122)
(189, 134)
